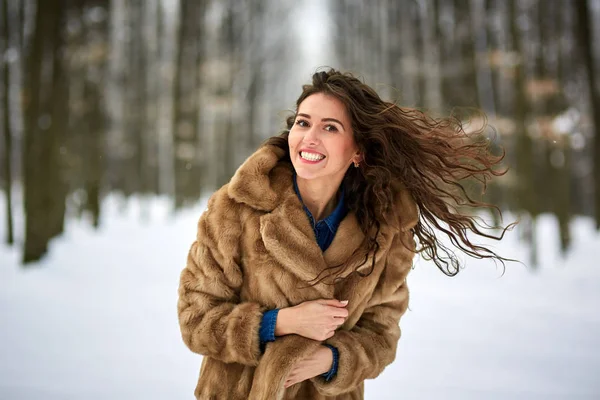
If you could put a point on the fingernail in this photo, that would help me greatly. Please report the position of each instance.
(344, 302)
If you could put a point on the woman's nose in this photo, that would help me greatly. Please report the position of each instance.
(311, 136)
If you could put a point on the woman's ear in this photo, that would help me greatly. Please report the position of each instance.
(356, 159)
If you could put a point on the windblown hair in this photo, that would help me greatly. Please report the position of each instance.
(434, 159)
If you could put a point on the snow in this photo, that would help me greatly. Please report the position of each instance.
(96, 318)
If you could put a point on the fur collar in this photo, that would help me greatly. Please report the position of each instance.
(254, 183)
(265, 184)
(262, 182)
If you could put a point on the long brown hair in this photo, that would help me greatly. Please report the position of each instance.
(433, 158)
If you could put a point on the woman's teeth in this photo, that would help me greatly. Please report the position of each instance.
(311, 156)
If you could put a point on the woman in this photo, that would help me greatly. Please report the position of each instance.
(296, 282)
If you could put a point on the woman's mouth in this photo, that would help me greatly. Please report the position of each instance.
(312, 158)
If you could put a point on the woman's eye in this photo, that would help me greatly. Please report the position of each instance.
(302, 123)
(331, 128)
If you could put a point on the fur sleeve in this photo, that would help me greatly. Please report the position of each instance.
(367, 348)
(212, 319)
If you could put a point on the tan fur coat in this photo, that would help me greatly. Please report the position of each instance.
(255, 250)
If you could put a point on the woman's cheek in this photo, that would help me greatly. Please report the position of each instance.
(292, 140)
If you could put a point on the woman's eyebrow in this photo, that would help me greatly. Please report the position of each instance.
(333, 120)
(324, 119)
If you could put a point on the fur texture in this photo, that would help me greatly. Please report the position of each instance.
(255, 250)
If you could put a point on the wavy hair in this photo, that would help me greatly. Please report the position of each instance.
(434, 159)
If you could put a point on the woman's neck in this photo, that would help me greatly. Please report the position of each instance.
(319, 197)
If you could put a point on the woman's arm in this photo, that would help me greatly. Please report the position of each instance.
(366, 349)
(212, 319)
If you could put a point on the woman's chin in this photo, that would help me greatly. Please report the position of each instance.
(306, 175)
(306, 171)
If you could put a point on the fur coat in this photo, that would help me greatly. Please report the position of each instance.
(255, 250)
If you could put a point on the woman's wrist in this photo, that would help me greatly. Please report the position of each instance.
(332, 360)
(283, 325)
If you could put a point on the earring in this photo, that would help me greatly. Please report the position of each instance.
(356, 164)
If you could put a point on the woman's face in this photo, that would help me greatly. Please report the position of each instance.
(321, 141)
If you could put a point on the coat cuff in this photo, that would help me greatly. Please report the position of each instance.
(334, 365)
(266, 331)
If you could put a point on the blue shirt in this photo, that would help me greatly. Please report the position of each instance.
(325, 231)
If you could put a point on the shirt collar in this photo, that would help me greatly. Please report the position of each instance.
(335, 218)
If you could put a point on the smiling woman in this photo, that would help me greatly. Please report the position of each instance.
(296, 281)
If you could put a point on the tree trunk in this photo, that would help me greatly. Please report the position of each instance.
(45, 109)
(584, 33)
(7, 127)
(140, 100)
(21, 23)
(430, 56)
(94, 116)
(525, 194)
(57, 102)
(35, 241)
(186, 102)
(485, 88)
(408, 79)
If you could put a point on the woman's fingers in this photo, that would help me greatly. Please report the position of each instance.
(291, 379)
(317, 319)
(336, 321)
(332, 302)
(337, 312)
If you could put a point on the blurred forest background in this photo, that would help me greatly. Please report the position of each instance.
(167, 97)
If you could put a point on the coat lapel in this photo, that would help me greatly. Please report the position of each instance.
(289, 238)
(347, 239)
(264, 182)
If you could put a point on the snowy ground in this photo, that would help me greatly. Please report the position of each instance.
(96, 319)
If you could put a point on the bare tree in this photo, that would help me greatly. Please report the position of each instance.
(45, 117)
(6, 108)
(186, 106)
(525, 194)
(586, 41)
(485, 88)
(409, 77)
(431, 72)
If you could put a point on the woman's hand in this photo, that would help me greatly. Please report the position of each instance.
(315, 364)
(316, 319)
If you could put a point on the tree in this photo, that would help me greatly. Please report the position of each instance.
(45, 116)
(584, 34)
(6, 126)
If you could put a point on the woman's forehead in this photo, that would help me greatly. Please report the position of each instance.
(320, 105)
